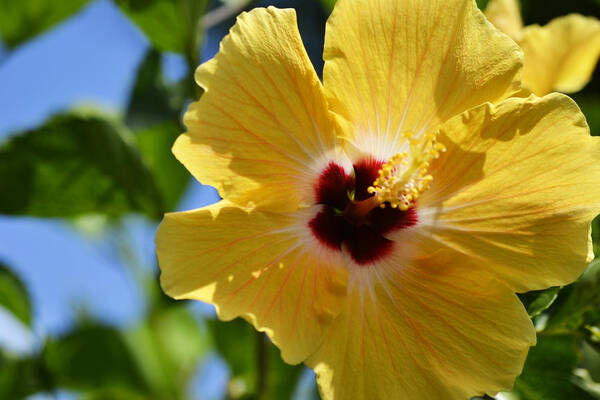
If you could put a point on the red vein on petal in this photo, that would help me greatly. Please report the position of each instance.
(298, 300)
(432, 311)
(233, 263)
(447, 299)
(262, 272)
(283, 284)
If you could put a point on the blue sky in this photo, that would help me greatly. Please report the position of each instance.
(90, 60)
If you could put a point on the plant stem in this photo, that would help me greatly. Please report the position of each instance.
(195, 10)
(262, 365)
(223, 13)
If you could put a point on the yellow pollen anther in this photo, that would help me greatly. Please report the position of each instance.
(405, 176)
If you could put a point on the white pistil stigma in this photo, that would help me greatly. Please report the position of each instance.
(405, 176)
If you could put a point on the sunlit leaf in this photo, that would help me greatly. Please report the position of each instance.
(548, 372)
(181, 334)
(161, 22)
(238, 344)
(92, 358)
(537, 301)
(167, 347)
(75, 165)
(14, 296)
(171, 25)
(21, 20)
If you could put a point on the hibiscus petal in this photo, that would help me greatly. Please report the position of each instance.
(254, 265)
(393, 67)
(506, 16)
(429, 330)
(561, 55)
(261, 130)
(516, 191)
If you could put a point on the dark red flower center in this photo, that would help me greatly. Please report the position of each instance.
(338, 226)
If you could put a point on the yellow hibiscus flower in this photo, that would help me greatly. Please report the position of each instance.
(377, 225)
(560, 56)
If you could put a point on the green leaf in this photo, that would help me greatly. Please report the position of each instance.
(20, 378)
(75, 165)
(237, 342)
(153, 112)
(574, 301)
(482, 4)
(235, 2)
(160, 20)
(93, 357)
(590, 363)
(168, 347)
(152, 101)
(181, 334)
(282, 378)
(328, 5)
(113, 394)
(596, 235)
(549, 371)
(14, 296)
(22, 20)
(584, 380)
(539, 300)
(171, 25)
(590, 105)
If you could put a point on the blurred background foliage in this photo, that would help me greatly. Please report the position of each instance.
(91, 169)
